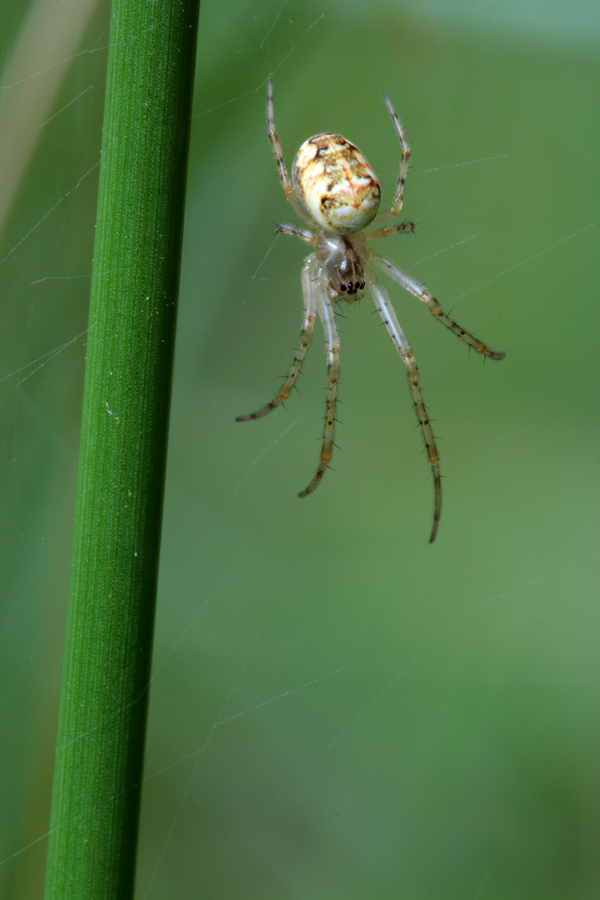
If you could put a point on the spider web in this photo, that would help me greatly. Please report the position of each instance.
(333, 701)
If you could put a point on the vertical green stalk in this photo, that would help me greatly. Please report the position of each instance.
(104, 692)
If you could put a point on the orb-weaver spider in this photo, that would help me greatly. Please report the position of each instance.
(335, 192)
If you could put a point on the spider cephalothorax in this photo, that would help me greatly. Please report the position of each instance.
(344, 258)
(335, 192)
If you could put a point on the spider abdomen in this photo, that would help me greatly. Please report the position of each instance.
(336, 184)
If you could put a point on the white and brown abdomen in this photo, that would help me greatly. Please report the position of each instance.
(336, 184)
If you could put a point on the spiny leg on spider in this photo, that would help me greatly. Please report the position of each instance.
(336, 195)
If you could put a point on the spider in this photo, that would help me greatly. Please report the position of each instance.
(335, 193)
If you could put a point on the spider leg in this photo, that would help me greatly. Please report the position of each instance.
(332, 347)
(388, 230)
(404, 159)
(294, 231)
(306, 333)
(286, 181)
(421, 293)
(390, 320)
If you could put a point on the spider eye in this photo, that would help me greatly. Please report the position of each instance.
(344, 287)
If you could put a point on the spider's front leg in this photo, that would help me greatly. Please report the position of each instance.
(332, 347)
(390, 320)
(308, 321)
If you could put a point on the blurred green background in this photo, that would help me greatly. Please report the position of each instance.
(338, 709)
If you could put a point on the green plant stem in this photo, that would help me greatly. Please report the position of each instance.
(104, 691)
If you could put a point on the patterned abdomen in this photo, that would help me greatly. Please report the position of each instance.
(336, 184)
